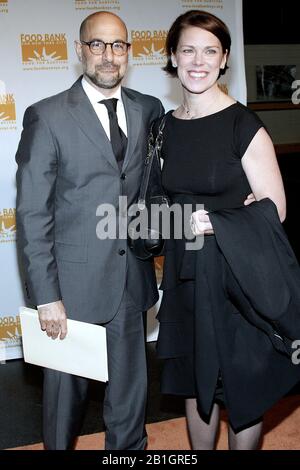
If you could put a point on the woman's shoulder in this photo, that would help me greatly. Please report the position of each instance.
(246, 124)
(243, 109)
(246, 117)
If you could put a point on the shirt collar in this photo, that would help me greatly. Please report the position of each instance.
(95, 95)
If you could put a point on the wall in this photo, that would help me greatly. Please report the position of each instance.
(37, 60)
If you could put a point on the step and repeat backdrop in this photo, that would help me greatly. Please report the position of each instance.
(37, 59)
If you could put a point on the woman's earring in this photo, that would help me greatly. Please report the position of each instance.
(174, 65)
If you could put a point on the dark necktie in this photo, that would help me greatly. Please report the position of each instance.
(117, 137)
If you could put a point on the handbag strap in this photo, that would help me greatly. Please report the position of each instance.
(154, 148)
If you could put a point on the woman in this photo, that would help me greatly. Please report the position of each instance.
(215, 151)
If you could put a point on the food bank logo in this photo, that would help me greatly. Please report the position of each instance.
(97, 4)
(10, 334)
(148, 47)
(7, 112)
(7, 225)
(202, 4)
(44, 51)
(3, 6)
(7, 107)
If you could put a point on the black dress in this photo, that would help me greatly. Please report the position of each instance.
(211, 351)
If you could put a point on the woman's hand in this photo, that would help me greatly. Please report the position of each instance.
(200, 223)
(249, 200)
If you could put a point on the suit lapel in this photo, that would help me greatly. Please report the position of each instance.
(133, 111)
(83, 113)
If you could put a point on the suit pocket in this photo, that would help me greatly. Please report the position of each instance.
(71, 253)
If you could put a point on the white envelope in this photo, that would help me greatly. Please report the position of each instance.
(83, 352)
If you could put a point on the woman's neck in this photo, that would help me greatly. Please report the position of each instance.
(203, 104)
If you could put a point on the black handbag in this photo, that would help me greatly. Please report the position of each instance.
(151, 243)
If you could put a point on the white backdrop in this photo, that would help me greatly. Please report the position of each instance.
(37, 60)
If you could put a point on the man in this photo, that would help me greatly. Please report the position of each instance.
(77, 152)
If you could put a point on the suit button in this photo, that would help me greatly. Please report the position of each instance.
(123, 176)
(121, 252)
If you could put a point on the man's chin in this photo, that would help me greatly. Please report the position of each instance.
(105, 84)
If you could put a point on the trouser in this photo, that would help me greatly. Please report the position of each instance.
(125, 395)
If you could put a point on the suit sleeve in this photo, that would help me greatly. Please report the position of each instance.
(161, 109)
(36, 180)
(157, 111)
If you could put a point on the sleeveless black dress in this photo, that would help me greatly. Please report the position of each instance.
(211, 351)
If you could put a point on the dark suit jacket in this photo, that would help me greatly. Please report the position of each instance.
(66, 169)
(263, 275)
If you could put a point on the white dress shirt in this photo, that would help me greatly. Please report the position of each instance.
(100, 109)
(95, 96)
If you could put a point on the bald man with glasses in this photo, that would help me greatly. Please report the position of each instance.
(79, 149)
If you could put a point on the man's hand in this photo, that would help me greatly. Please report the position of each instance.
(250, 199)
(53, 319)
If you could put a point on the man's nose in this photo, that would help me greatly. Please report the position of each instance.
(109, 55)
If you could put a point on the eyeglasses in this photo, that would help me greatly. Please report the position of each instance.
(98, 47)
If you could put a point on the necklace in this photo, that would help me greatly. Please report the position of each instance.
(187, 111)
(189, 115)
(212, 105)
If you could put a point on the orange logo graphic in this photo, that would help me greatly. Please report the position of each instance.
(7, 225)
(10, 330)
(3, 6)
(7, 108)
(148, 47)
(44, 48)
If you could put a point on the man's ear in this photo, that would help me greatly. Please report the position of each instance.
(78, 49)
